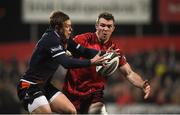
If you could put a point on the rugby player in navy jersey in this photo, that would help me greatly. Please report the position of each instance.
(35, 90)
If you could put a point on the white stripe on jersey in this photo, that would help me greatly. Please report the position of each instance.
(59, 54)
(27, 81)
(78, 46)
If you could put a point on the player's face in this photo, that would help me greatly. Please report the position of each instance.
(104, 29)
(67, 28)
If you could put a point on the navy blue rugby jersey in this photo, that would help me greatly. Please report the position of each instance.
(50, 52)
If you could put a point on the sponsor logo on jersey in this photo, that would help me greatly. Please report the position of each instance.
(54, 49)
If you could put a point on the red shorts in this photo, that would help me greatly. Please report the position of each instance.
(82, 103)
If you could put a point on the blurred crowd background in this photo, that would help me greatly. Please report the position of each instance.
(151, 44)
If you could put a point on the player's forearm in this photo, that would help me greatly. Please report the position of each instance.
(87, 52)
(80, 50)
(68, 62)
(135, 79)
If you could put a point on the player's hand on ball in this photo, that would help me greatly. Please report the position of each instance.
(110, 65)
(111, 49)
(98, 60)
(146, 89)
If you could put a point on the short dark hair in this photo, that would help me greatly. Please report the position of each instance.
(105, 15)
(57, 18)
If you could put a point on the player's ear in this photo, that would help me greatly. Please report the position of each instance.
(57, 27)
(96, 25)
(114, 28)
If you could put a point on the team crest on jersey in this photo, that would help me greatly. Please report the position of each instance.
(54, 49)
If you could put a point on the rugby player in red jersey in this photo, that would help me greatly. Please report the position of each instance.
(84, 86)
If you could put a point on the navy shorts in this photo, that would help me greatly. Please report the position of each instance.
(28, 92)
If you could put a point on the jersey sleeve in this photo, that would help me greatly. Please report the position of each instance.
(58, 54)
(68, 62)
(81, 39)
(81, 50)
(53, 45)
(122, 57)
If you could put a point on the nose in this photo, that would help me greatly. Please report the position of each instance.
(70, 29)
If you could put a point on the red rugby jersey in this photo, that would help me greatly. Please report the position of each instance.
(83, 81)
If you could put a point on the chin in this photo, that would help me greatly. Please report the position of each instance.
(67, 37)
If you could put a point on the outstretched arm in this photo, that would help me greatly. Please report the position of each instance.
(80, 50)
(70, 62)
(135, 79)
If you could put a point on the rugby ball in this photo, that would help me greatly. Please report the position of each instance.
(110, 65)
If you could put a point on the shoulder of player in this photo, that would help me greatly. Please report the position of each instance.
(84, 36)
(48, 39)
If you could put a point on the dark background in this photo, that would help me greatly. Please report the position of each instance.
(160, 65)
(12, 29)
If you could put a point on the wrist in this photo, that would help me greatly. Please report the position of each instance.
(101, 53)
(92, 62)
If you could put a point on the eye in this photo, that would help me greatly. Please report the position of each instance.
(102, 25)
(109, 26)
